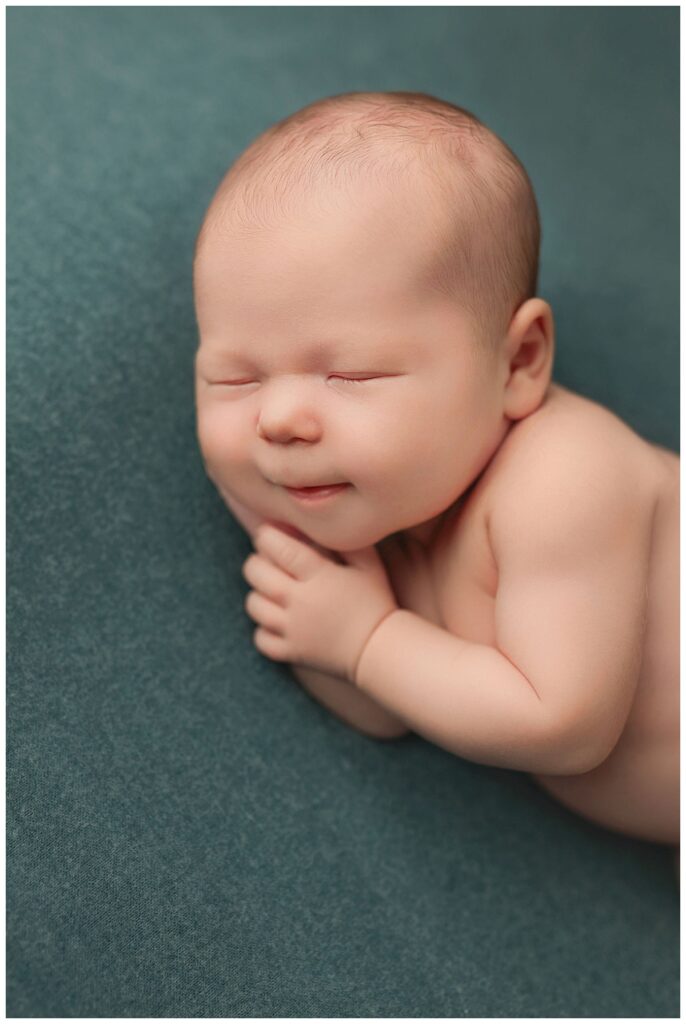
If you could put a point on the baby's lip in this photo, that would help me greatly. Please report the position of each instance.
(308, 486)
(313, 487)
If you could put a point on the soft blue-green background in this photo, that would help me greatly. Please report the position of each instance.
(189, 834)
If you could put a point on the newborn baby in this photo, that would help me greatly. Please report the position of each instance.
(446, 540)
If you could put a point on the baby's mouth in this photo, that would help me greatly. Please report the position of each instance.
(318, 492)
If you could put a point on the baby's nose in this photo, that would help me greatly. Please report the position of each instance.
(288, 416)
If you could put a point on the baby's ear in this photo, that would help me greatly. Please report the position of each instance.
(529, 350)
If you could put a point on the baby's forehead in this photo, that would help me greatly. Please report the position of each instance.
(449, 203)
(376, 247)
(327, 273)
(284, 339)
(388, 200)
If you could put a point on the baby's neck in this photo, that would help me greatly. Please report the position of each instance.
(425, 533)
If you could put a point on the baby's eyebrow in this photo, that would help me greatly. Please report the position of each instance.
(324, 351)
(315, 354)
(221, 358)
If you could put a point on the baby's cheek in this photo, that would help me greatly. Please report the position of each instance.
(221, 443)
(382, 455)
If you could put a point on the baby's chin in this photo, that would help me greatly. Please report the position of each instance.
(288, 528)
(332, 538)
(342, 533)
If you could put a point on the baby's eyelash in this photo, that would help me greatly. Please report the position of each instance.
(336, 376)
(353, 380)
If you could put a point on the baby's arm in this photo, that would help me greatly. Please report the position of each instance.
(554, 692)
(337, 695)
(350, 705)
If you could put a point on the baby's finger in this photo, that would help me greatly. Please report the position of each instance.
(272, 646)
(266, 577)
(265, 612)
(299, 560)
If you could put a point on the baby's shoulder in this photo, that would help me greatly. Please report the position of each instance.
(571, 461)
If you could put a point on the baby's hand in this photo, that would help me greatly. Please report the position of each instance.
(310, 609)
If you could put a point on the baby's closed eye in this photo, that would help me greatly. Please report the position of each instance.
(355, 380)
(342, 378)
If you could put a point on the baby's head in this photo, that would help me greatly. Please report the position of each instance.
(364, 283)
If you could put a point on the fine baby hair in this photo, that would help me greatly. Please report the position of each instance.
(487, 253)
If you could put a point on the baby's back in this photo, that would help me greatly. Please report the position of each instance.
(636, 789)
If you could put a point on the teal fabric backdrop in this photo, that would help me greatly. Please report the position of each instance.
(190, 834)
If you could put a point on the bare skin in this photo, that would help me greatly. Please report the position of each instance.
(454, 581)
(441, 451)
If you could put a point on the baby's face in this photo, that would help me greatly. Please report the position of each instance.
(321, 361)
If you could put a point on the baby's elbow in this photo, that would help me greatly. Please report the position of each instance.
(588, 756)
(578, 743)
